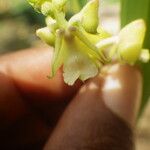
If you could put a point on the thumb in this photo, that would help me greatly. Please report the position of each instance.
(102, 114)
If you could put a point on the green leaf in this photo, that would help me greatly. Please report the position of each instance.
(131, 10)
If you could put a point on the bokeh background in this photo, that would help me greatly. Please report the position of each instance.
(18, 23)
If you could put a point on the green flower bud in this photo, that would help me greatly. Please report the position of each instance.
(51, 23)
(145, 55)
(46, 35)
(90, 18)
(131, 39)
(33, 2)
(36, 4)
(47, 8)
(59, 3)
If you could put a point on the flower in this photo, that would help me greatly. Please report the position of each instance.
(81, 45)
(74, 40)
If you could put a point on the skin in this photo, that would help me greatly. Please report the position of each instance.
(31, 105)
(28, 98)
(102, 114)
(87, 124)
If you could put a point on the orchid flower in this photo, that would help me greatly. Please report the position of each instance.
(81, 45)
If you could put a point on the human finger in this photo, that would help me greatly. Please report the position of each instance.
(103, 113)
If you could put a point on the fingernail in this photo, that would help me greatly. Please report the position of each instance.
(121, 91)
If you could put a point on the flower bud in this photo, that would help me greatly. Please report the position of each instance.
(47, 8)
(46, 35)
(33, 2)
(59, 3)
(131, 39)
(90, 17)
(145, 55)
(36, 4)
(51, 23)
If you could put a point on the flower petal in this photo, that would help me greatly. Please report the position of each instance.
(59, 53)
(131, 39)
(77, 66)
(46, 35)
(90, 18)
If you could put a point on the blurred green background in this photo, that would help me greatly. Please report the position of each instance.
(18, 22)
